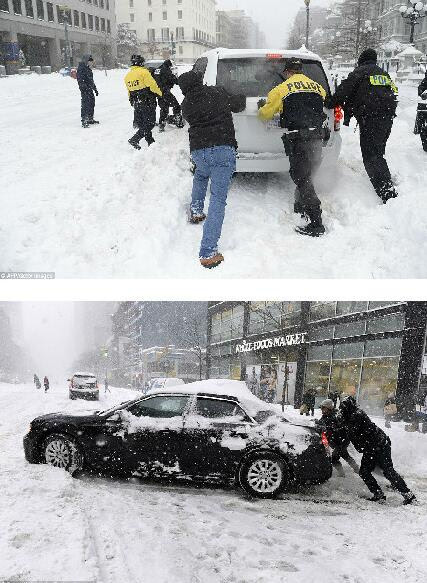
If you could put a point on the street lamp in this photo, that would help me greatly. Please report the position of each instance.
(307, 27)
(64, 9)
(413, 12)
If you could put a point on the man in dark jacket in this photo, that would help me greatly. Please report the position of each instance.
(337, 437)
(166, 80)
(87, 89)
(371, 96)
(300, 100)
(422, 87)
(375, 446)
(46, 384)
(213, 146)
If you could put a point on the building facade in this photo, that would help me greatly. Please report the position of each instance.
(365, 349)
(182, 29)
(32, 32)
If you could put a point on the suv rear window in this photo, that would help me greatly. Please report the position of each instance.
(256, 77)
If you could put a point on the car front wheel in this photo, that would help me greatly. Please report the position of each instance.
(264, 475)
(61, 451)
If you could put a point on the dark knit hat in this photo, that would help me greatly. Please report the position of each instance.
(293, 65)
(368, 56)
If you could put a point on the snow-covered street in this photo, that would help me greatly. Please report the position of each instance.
(54, 527)
(82, 203)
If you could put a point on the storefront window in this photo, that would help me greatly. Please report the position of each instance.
(376, 305)
(350, 329)
(322, 310)
(348, 350)
(291, 314)
(384, 347)
(235, 371)
(389, 323)
(319, 352)
(351, 307)
(345, 376)
(264, 317)
(317, 376)
(379, 379)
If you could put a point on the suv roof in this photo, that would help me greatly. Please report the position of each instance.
(224, 53)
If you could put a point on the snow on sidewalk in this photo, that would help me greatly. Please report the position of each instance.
(58, 528)
(82, 203)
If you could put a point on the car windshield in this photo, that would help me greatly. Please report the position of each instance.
(257, 76)
(262, 416)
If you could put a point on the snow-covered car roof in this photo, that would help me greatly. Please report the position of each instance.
(84, 374)
(222, 388)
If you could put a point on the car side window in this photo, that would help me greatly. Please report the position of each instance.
(218, 408)
(160, 407)
(200, 66)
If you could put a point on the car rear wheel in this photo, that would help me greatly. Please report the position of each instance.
(61, 451)
(264, 475)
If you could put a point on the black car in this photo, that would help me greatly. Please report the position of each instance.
(185, 434)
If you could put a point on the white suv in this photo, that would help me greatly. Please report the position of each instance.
(84, 385)
(254, 73)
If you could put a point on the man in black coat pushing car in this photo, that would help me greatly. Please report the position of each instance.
(87, 89)
(370, 96)
(375, 447)
(166, 80)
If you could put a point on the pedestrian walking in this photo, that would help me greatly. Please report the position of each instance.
(37, 382)
(46, 384)
(371, 96)
(309, 400)
(375, 447)
(421, 121)
(390, 409)
(166, 80)
(337, 437)
(142, 91)
(300, 101)
(88, 90)
(106, 387)
(208, 110)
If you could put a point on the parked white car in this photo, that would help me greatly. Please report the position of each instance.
(84, 385)
(254, 73)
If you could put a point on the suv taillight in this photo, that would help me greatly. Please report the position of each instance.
(325, 440)
(338, 116)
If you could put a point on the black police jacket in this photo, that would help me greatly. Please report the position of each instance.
(208, 110)
(165, 78)
(367, 92)
(422, 86)
(362, 432)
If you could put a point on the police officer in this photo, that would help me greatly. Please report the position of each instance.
(87, 90)
(166, 81)
(375, 447)
(300, 101)
(142, 90)
(371, 96)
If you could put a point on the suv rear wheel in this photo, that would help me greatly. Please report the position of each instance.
(63, 452)
(264, 475)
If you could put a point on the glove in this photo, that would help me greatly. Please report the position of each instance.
(424, 95)
(261, 103)
(96, 91)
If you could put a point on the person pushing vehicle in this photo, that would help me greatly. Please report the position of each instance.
(300, 100)
(370, 95)
(142, 91)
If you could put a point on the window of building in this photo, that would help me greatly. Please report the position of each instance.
(150, 17)
(390, 323)
(351, 307)
(101, 3)
(322, 310)
(264, 317)
(227, 325)
(40, 10)
(107, 4)
(179, 33)
(324, 333)
(151, 34)
(108, 26)
(83, 19)
(318, 369)
(130, 3)
(29, 10)
(50, 12)
(291, 314)
(76, 17)
(180, 50)
(376, 305)
(179, 14)
(95, 2)
(165, 15)
(132, 17)
(97, 23)
(4, 6)
(102, 24)
(149, 2)
(350, 329)
(165, 34)
(90, 21)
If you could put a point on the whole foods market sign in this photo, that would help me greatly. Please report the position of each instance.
(276, 342)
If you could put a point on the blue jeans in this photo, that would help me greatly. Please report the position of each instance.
(219, 164)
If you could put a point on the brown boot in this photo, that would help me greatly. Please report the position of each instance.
(212, 261)
(196, 219)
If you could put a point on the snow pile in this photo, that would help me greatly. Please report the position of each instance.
(82, 203)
